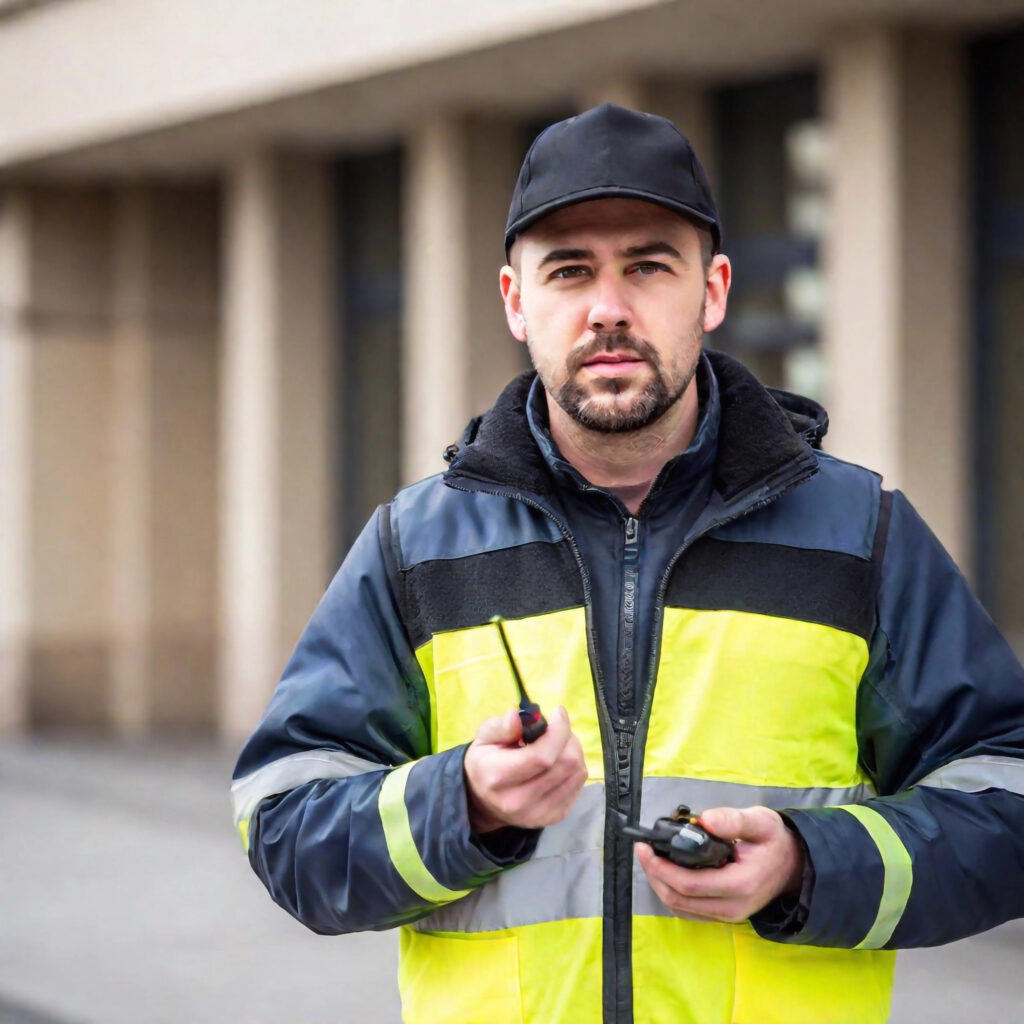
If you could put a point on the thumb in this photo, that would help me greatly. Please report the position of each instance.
(752, 824)
(504, 730)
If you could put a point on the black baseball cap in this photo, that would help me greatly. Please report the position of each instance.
(611, 152)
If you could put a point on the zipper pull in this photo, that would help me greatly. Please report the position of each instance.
(632, 550)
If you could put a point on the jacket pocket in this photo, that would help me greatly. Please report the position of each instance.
(459, 979)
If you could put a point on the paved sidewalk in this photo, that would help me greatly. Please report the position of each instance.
(125, 897)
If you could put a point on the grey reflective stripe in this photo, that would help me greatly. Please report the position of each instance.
(662, 795)
(645, 901)
(581, 829)
(974, 774)
(563, 879)
(548, 889)
(293, 771)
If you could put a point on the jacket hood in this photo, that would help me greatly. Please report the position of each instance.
(762, 431)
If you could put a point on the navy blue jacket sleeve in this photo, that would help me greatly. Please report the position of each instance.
(939, 853)
(350, 821)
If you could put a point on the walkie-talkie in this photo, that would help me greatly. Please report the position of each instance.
(682, 839)
(534, 723)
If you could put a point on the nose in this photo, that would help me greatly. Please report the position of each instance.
(609, 309)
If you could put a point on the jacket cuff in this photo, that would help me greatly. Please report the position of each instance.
(439, 819)
(845, 894)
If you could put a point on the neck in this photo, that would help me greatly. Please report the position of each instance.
(628, 463)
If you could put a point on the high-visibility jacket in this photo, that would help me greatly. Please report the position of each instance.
(816, 652)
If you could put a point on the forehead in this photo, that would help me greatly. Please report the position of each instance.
(610, 219)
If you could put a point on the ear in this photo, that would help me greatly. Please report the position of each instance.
(508, 282)
(716, 291)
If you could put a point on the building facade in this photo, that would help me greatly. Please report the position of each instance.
(248, 287)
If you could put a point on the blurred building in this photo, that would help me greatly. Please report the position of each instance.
(248, 287)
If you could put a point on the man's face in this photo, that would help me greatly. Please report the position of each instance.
(612, 301)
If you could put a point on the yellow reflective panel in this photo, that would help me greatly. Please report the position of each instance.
(243, 832)
(700, 973)
(778, 983)
(472, 679)
(541, 974)
(756, 699)
(682, 971)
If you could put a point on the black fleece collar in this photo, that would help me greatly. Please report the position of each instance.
(760, 434)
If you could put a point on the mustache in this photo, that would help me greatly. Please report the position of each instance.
(612, 341)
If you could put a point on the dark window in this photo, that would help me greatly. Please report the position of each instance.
(998, 95)
(368, 385)
(771, 190)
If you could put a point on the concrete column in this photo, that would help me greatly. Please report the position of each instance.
(435, 335)
(275, 455)
(15, 455)
(131, 450)
(896, 333)
(457, 351)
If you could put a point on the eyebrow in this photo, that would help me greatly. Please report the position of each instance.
(656, 248)
(564, 255)
(652, 249)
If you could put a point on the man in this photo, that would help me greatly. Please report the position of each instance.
(709, 610)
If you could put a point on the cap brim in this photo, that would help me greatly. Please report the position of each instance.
(521, 224)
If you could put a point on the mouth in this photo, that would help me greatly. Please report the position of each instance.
(614, 364)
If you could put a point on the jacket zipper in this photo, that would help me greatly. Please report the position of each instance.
(627, 616)
(773, 490)
(617, 749)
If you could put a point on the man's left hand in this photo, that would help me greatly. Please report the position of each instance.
(769, 862)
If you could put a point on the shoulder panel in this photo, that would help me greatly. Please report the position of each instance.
(433, 521)
(836, 510)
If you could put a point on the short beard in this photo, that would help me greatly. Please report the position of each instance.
(657, 397)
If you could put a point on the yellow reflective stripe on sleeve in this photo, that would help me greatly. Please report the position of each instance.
(394, 816)
(243, 831)
(899, 876)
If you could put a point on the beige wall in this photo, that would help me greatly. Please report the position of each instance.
(119, 390)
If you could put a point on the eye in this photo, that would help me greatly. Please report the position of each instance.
(565, 273)
(647, 268)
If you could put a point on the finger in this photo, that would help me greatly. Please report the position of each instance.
(510, 767)
(504, 730)
(567, 776)
(751, 824)
(558, 802)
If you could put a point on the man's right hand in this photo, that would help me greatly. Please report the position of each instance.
(508, 783)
